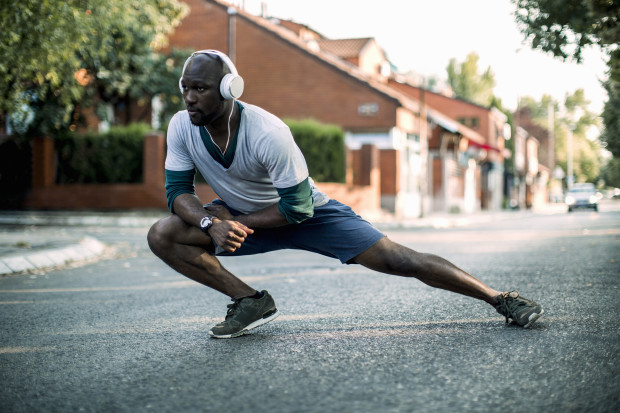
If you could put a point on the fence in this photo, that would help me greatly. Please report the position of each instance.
(361, 192)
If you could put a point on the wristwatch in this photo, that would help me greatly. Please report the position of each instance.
(205, 224)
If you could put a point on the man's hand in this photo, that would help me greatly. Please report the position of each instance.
(228, 234)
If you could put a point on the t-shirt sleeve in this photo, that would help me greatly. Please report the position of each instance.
(179, 133)
(296, 202)
(289, 173)
(180, 168)
(177, 183)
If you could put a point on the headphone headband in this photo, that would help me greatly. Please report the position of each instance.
(231, 86)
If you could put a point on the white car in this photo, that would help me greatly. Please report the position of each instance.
(582, 196)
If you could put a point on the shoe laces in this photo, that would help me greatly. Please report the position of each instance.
(509, 304)
(232, 309)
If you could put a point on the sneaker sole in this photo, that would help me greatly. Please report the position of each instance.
(533, 318)
(266, 318)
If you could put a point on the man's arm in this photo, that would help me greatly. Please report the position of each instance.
(226, 233)
(269, 217)
(295, 206)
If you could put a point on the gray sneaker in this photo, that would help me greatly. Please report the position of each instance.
(246, 314)
(522, 311)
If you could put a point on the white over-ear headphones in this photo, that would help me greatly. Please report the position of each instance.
(231, 86)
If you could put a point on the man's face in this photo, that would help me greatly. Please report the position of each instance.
(201, 90)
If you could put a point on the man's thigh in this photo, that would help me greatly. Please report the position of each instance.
(334, 231)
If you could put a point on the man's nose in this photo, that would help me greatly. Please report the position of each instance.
(190, 96)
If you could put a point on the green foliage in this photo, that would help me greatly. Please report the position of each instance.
(323, 147)
(565, 28)
(610, 173)
(470, 85)
(570, 115)
(111, 157)
(57, 53)
(587, 160)
(611, 119)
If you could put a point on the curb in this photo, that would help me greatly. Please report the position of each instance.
(86, 249)
(460, 220)
(84, 220)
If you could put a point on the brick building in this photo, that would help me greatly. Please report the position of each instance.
(470, 153)
(533, 162)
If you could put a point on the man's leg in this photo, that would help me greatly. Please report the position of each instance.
(190, 252)
(391, 258)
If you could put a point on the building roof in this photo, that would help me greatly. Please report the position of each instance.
(327, 58)
(332, 52)
(300, 29)
(344, 48)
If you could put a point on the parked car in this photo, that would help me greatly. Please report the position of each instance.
(582, 196)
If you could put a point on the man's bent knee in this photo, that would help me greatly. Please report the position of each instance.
(162, 232)
(172, 230)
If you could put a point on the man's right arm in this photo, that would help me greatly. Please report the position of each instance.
(228, 234)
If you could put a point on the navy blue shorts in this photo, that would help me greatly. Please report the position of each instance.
(334, 231)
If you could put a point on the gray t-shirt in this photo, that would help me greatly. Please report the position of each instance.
(266, 158)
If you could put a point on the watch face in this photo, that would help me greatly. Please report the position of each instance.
(205, 223)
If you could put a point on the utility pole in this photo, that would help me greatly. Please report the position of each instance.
(569, 163)
(574, 117)
(551, 136)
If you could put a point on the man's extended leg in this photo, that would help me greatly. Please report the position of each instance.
(189, 251)
(391, 258)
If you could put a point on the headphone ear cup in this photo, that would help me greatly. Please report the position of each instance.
(231, 86)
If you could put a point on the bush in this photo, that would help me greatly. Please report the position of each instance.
(111, 157)
(323, 147)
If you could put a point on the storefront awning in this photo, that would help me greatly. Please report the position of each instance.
(453, 126)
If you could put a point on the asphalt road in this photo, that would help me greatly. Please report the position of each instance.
(128, 334)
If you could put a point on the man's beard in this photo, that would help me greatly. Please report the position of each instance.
(199, 118)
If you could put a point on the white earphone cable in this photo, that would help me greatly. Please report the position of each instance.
(232, 108)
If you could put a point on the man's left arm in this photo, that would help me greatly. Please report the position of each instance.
(295, 206)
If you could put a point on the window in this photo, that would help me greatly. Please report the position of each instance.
(471, 122)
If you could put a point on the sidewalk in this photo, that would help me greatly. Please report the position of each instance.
(37, 240)
(33, 241)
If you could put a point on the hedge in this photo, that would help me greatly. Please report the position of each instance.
(323, 147)
(111, 157)
(116, 156)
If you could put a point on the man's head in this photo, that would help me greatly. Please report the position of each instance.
(209, 82)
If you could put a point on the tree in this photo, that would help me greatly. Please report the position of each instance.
(468, 84)
(610, 173)
(572, 116)
(565, 28)
(54, 54)
(611, 119)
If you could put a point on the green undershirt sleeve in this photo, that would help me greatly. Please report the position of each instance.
(177, 183)
(296, 203)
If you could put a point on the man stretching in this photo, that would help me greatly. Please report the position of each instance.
(268, 202)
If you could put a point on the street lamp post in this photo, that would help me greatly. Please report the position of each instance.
(574, 117)
(569, 162)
